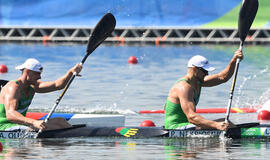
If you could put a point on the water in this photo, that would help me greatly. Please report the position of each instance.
(155, 148)
(110, 86)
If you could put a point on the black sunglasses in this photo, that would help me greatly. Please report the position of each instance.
(203, 70)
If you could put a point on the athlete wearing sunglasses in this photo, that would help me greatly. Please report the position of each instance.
(180, 108)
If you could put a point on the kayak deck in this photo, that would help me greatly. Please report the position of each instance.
(248, 130)
(89, 119)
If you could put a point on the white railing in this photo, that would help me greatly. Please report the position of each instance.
(134, 35)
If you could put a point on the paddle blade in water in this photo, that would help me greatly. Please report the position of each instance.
(246, 16)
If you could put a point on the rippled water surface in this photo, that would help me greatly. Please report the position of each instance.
(109, 85)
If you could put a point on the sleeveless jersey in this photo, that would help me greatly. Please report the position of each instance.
(24, 103)
(174, 115)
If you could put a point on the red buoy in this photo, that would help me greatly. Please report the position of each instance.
(147, 123)
(132, 60)
(264, 115)
(1, 147)
(3, 68)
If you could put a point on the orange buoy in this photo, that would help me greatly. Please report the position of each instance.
(249, 38)
(3, 68)
(45, 40)
(147, 123)
(132, 60)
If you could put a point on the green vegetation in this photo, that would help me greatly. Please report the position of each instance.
(229, 20)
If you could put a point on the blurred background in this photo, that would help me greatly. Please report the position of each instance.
(129, 13)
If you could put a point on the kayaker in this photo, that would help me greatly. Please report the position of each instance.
(180, 108)
(16, 96)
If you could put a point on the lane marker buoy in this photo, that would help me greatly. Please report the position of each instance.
(147, 123)
(132, 60)
(3, 68)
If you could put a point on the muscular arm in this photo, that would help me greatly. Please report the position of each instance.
(44, 87)
(10, 99)
(188, 107)
(224, 75)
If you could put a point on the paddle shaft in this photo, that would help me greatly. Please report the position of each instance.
(61, 96)
(233, 86)
(101, 31)
(246, 16)
(64, 91)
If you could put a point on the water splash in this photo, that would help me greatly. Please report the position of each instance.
(252, 102)
(225, 141)
(90, 110)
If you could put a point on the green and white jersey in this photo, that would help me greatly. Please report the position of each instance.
(24, 103)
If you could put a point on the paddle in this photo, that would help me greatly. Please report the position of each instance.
(102, 30)
(246, 16)
(2, 83)
(231, 124)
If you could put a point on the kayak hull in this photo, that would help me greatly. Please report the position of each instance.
(88, 131)
(248, 130)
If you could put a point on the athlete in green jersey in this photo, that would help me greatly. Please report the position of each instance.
(180, 108)
(175, 117)
(23, 105)
(16, 96)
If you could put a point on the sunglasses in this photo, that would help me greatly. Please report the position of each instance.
(203, 70)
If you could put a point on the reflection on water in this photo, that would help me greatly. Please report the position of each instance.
(195, 148)
(154, 148)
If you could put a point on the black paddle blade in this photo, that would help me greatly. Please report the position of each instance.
(2, 83)
(101, 31)
(246, 16)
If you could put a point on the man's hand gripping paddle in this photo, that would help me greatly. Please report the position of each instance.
(102, 30)
(246, 16)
